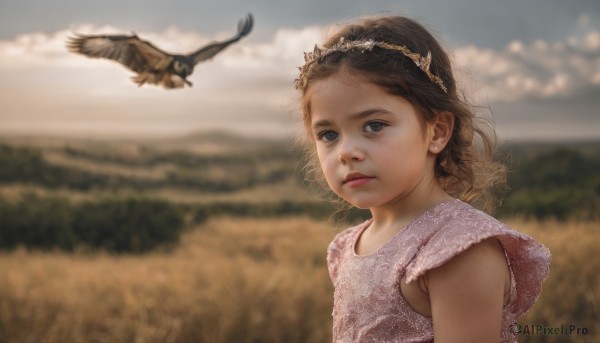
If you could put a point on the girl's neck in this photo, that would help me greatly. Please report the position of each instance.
(397, 214)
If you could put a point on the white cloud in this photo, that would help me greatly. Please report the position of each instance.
(277, 58)
(48, 49)
(521, 70)
(250, 84)
(539, 69)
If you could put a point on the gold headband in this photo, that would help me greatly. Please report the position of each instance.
(317, 55)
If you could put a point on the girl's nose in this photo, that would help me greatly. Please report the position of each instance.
(350, 152)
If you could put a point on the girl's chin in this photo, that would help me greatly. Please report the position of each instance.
(360, 201)
(361, 204)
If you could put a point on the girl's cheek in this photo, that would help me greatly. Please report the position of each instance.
(321, 154)
(325, 167)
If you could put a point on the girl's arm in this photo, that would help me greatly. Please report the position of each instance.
(466, 295)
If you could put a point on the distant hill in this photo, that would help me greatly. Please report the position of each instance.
(553, 180)
(545, 179)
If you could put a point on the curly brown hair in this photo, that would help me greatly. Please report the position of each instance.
(466, 167)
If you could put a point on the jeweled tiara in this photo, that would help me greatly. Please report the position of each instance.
(319, 54)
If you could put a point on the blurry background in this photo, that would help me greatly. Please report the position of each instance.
(143, 215)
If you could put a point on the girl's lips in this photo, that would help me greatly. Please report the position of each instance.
(356, 179)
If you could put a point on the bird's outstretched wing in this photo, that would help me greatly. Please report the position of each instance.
(132, 52)
(208, 51)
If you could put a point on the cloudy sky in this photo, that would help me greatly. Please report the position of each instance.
(535, 63)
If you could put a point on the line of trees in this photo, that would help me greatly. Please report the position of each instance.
(129, 224)
(561, 184)
(118, 225)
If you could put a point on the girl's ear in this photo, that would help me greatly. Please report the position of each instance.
(441, 131)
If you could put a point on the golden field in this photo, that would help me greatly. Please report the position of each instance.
(228, 281)
(243, 280)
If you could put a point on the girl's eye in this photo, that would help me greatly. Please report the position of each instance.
(374, 126)
(327, 136)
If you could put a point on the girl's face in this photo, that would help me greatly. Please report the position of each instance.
(371, 145)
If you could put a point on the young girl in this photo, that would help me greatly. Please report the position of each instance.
(390, 132)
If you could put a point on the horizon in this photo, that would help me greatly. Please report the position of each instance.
(203, 135)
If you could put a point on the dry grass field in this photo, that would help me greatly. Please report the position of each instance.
(571, 294)
(229, 281)
(243, 280)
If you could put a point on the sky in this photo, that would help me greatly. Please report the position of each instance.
(533, 65)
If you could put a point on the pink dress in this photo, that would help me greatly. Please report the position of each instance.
(368, 304)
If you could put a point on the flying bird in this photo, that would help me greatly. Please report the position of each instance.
(152, 65)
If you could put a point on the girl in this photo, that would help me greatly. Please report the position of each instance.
(390, 132)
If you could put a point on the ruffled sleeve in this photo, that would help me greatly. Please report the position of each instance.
(528, 260)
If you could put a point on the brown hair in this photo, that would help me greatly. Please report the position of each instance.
(465, 167)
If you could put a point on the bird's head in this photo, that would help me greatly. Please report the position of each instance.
(182, 68)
